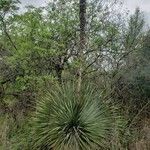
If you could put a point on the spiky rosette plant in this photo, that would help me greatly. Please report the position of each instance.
(65, 121)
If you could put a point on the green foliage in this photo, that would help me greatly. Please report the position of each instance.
(22, 136)
(8, 5)
(14, 137)
(40, 47)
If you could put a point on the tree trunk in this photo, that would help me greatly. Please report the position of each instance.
(82, 15)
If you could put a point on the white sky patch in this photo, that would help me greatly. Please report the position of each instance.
(35, 3)
(130, 5)
(144, 5)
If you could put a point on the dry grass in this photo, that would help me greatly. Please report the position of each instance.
(144, 142)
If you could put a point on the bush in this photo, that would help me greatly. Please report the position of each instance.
(65, 121)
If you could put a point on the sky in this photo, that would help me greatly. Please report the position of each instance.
(144, 5)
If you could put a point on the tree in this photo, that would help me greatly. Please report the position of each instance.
(82, 43)
(73, 42)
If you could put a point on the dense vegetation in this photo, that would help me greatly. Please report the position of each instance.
(74, 75)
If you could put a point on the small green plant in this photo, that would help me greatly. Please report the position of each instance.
(65, 121)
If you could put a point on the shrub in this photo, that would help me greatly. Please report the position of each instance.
(65, 121)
